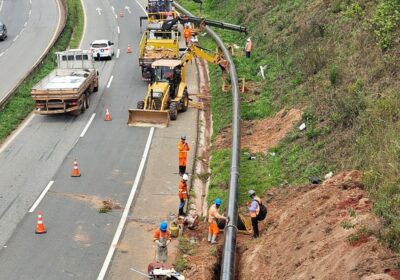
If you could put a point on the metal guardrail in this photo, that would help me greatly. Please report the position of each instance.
(38, 63)
(229, 251)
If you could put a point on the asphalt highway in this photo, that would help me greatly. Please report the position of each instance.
(108, 153)
(31, 26)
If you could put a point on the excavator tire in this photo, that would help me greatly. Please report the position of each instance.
(173, 111)
(185, 101)
(140, 105)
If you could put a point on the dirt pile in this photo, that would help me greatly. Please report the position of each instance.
(261, 135)
(319, 232)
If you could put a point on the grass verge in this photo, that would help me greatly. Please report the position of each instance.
(21, 103)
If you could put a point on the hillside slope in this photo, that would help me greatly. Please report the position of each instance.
(336, 61)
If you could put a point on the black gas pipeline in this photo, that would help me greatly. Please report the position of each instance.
(229, 252)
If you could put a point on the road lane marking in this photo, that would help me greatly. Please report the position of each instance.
(109, 82)
(99, 10)
(128, 9)
(127, 208)
(113, 11)
(118, 30)
(16, 37)
(17, 132)
(118, 53)
(87, 125)
(144, 10)
(1, 54)
(46, 189)
(1, 4)
(30, 12)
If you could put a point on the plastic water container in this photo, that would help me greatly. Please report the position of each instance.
(174, 229)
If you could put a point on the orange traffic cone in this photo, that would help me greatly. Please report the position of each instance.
(129, 48)
(75, 171)
(108, 116)
(121, 13)
(40, 228)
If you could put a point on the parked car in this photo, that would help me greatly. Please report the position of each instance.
(3, 31)
(102, 48)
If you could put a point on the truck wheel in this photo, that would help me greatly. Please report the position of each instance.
(140, 105)
(87, 101)
(96, 89)
(173, 111)
(83, 105)
(185, 101)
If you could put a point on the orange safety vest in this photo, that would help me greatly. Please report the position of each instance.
(249, 46)
(183, 149)
(187, 33)
(159, 234)
(182, 190)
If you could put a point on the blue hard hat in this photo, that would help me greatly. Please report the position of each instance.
(218, 201)
(163, 226)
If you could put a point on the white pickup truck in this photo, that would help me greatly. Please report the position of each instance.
(67, 88)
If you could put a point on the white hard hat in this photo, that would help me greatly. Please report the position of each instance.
(185, 177)
(251, 192)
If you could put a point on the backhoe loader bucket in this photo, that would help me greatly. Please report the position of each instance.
(148, 118)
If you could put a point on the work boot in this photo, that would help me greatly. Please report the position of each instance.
(181, 213)
(209, 237)
(213, 239)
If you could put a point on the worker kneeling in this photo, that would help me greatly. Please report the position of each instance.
(213, 217)
(162, 238)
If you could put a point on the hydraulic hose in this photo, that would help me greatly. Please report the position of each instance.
(229, 250)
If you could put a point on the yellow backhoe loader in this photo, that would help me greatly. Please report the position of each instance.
(167, 92)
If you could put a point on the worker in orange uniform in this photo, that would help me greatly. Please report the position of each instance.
(248, 47)
(183, 194)
(162, 238)
(187, 34)
(183, 149)
(213, 217)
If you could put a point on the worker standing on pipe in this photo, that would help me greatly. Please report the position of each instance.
(183, 149)
(183, 194)
(254, 210)
(162, 238)
(213, 217)
(187, 34)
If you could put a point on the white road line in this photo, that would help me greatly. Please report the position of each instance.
(84, 23)
(17, 132)
(1, 4)
(87, 125)
(113, 11)
(25, 24)
(1, 54)
(144, 10)
(126, 210)
(117, 56)
(16, 37)
(30, 2)
(118, 30)
(30, 12)
(41, 196)
(109, 82)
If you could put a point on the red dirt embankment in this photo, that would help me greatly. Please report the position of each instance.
(319, 232)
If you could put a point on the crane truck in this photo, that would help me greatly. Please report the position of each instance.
(167, 93)
(161, 40)
(67, 88)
